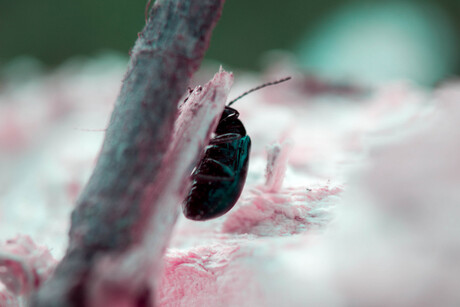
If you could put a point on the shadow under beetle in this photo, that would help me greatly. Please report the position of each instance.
(218, 179)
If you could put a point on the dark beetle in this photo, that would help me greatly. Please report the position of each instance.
(219, 178)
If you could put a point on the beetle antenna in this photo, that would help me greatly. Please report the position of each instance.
(258, 88)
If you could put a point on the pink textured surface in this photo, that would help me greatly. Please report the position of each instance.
(205, 276)
(364, 216)
(24, 266)
(7, 298)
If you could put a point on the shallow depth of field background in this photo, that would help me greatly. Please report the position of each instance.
(341, 39)
(367, 215)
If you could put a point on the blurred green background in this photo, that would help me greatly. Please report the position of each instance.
(54, 30)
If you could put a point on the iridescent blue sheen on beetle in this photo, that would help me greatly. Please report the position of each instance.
(218, 179)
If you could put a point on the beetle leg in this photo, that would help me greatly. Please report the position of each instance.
(211, 178)
(213, 170)
(224, 138)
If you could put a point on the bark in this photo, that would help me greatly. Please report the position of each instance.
(116, 206)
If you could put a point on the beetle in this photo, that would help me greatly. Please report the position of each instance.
(219, 177)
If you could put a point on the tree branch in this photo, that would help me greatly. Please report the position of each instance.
(116, 207)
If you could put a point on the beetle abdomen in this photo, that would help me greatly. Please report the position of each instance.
(218, 180)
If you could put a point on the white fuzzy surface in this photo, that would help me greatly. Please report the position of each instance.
(366, 216)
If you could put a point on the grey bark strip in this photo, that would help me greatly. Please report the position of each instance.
(138, 267)
(107, 217)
